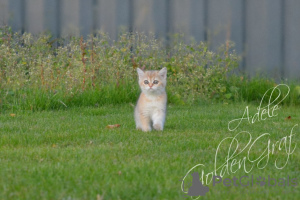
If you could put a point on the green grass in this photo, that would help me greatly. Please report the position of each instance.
(70, 154)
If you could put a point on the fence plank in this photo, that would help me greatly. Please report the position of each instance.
(16, 15)
(86, 17)
(70, 18)
(225, 23)
(150, 17)
(160, 17)
(143, 16)
(4, 12)
(122, 12)
(197, 20)
(263, 24)
(237, 25)
(181, 17)
(107, 17)
(292, 39)
(34, 16)
(52, 17)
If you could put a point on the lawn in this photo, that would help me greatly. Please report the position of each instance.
(71, 154)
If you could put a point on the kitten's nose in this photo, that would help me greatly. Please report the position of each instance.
(150, 85)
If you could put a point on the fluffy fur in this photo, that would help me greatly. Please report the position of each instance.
(150, 110)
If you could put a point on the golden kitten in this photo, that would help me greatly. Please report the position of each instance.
(151, 106)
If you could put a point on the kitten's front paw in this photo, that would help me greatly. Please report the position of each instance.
(158, 127)
(145, 129)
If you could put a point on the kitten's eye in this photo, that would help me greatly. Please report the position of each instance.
(146, 82)
(155, 82)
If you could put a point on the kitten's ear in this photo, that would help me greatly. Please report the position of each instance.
(140, 72)
(163, 72)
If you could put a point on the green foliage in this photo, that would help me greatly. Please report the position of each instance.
(246, 89)
(39, 73)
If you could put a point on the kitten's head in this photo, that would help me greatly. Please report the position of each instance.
(153, 82)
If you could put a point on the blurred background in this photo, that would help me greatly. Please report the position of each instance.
(266, 33)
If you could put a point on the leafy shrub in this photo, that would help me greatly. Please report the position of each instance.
(37, 72)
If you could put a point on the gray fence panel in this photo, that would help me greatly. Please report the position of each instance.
(159, 8)
(107, 17)
(263, 37)
(181, 17)
(86, 11)
(144, 20)
(122, 12)
(70, 18)
(16, 12)
(225, 22)
(237, 26)
(197, 20)
(52, 17)
(292, 39)
(150, 17)
(34, 16)
(4, 12)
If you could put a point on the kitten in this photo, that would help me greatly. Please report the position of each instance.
(151, 106)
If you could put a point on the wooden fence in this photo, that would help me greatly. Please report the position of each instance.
(266, 32)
